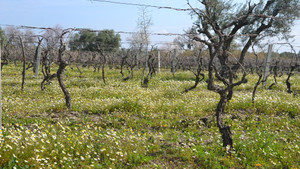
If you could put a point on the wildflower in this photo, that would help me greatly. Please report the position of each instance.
(258, 165)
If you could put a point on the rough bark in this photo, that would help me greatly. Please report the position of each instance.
(24, 63)
(60, 72)
(46, 70)
(290, 74)
(151, 71)
(197, 81)
(259, 81)
(275, 75)
(61, 69)
(103, 67)
(224, 130)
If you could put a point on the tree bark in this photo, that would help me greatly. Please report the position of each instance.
(24, 63)
(60, 71)
(224, 130)
(103, 68)
(288, 84)
(197, 80)
(256, 85)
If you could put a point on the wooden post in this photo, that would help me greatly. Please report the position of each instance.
(0, 95)
(267, 65)
(37, 58)
(158, 60)
(37, 62)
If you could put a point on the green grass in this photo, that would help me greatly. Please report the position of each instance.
(122, 125)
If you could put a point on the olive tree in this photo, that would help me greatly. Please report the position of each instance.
(104, 42)
(219, 23)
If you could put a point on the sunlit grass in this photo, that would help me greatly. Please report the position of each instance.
(122, 125)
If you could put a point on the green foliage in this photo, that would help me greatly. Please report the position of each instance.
(82, 41)
(121, 125)
(106, 41)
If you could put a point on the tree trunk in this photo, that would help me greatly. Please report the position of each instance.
(197, 80)
(288, 84)
(103, 70)
(224, 130)
(255, 87)
(24, 63)
(122, 65)
(224, 69)
(60, 71)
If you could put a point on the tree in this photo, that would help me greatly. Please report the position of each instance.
(104, 42)
(3, 42)
(51, 44)
(62, 65)
(3, 38)
(219, 23)
(140, 41)
(83, 40)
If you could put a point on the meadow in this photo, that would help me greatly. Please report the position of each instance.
(122, 125)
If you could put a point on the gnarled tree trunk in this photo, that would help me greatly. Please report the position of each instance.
(62, 65)
(224, 130)
(24, 63)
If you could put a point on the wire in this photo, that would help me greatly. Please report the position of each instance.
(95, 30)
(117, 32)
(143, 5)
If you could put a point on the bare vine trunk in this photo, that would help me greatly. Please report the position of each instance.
(290, 74)
(224, 130)
(24, 63)
(197, 80)
(256, 85)
(103, 69)
(60, 71)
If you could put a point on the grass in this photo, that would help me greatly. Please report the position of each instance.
(122, 125)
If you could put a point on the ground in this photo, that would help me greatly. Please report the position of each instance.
(122, 125)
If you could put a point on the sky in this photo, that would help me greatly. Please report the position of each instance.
(99, 15)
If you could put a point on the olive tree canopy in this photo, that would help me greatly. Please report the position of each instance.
(220, 22)
(105, 40)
